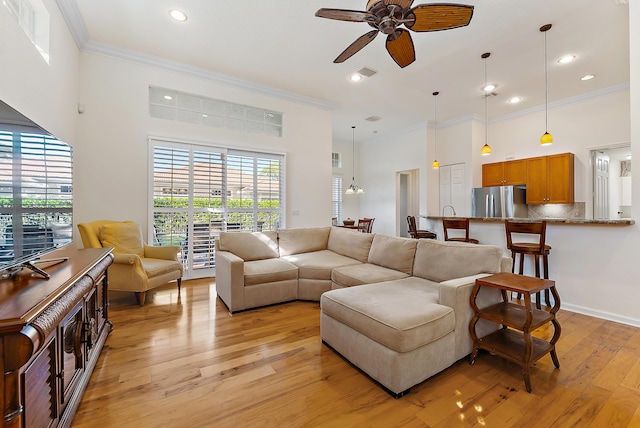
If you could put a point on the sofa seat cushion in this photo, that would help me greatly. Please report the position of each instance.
(268, 270)
(401, 315)
(319, 264)
(365, 273)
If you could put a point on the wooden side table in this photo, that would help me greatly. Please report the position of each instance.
(514, 341)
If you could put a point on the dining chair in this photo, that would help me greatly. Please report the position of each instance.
(415, 233)
(365, 225)
(457, 224)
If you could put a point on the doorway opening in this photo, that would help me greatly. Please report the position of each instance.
(407, 199)
(611, 182)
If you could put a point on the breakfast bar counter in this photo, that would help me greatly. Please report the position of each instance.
(618, 222)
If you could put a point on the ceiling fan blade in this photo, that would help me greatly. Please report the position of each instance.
(404, 4)
(346, 15)
(436, 17)
(354, 47)
(400, 47)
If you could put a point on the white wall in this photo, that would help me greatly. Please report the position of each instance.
(45, 93)
(379, 161)
(112, 154)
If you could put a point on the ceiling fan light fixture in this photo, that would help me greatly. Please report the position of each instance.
(489, 87)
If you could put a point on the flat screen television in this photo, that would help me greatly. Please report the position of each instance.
(36, 194)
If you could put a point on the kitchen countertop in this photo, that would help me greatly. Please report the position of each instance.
(619, 222)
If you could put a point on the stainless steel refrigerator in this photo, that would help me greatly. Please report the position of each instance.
(499, 201)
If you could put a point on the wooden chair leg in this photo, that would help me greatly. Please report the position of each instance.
(179, 284)
(140, 295)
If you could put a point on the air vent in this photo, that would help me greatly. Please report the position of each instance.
(373, 118)
(366, 72)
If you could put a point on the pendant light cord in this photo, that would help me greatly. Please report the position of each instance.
(435, 125)
(486, 96)
(546, 88)
(353, 155)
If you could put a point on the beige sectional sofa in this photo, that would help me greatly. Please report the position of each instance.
(397, 308)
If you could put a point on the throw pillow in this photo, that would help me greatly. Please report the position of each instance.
(125, 238)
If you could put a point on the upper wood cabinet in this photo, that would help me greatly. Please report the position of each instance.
(504, 173)
(550, 179)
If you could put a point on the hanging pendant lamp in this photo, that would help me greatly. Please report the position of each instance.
(546, 138)
(435, 164)
(486, 149)
(353, 187)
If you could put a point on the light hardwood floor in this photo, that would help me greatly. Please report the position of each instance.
(183, 361)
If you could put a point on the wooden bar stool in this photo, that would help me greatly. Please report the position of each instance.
(457, 224)
(539, 250)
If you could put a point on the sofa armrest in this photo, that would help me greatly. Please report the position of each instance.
(456, 293)
(506, 264)
(169, 252)
(230, 280)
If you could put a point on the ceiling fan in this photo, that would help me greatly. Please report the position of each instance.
(386, 16)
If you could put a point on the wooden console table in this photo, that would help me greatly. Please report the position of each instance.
(514, 341)
(51, 335)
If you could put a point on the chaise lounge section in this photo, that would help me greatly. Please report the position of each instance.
(397, 308)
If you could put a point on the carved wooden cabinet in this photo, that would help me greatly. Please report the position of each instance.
(550, 179)
(51, 334)
(504, 173)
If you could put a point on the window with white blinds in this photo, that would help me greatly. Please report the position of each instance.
(336, 197)
(36, 195)
(199, 191)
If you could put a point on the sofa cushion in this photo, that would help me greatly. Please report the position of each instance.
(444, 260)
(250, 246)
(364, 273)
(268, 270)
(402, 315)
(350, 243)
(319, 264)
(393, 252)
(296, 241)
(125, 238)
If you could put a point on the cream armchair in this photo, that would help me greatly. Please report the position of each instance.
(136, 267)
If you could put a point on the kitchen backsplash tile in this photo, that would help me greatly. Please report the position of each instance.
(565, 211)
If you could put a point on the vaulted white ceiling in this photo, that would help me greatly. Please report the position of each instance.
(282, 46)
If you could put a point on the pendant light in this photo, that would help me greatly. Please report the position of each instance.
(486, 149)
(353, 187)
(435, 164)
(546, 138)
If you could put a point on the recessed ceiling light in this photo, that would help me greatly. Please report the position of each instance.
(567, 59)
(168, 97)
(356, 77)
(178, 15)
(489, 88)
(588, 77)
(514, 100)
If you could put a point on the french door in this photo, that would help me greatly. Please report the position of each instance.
(200, 191)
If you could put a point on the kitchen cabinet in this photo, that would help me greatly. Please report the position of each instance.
(504, 173)
(550, 179)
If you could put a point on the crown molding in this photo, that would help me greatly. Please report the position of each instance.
(565, 101)
(71, 14)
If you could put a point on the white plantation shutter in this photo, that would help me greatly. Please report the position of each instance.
(40, 201)
(336, 197)
(199, 191)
